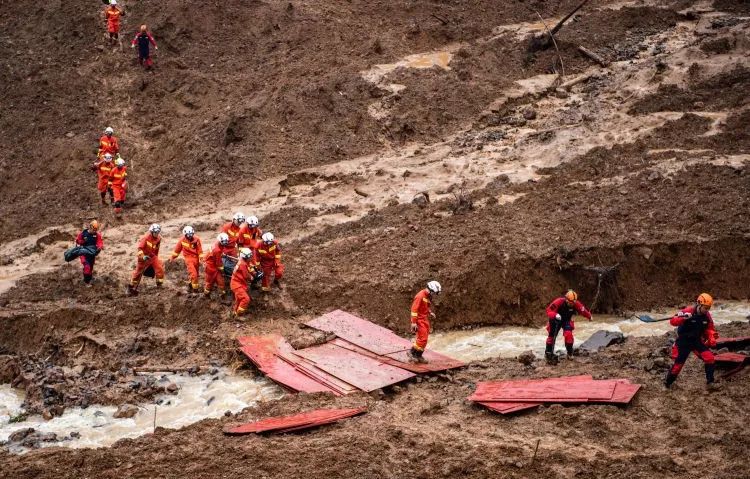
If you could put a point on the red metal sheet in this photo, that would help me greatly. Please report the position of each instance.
(509, 407)
(294, 422)
(547, 391)
(361, 332)
(733, 342)
(364, 372)
(263, 350)
(731, 358)
(486, 390)
(624, 392)
(438, 362)
(305, 367)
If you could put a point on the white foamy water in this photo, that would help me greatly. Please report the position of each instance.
(199, 397)
(510, 341)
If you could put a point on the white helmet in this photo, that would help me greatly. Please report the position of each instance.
(188, 231)
(155, 228)
(109, 131)
(239, 218)
(108, 157)
(253, 222)
(434, 287)
(113, 2)
(223, 239)
(246, 253)
(267, 237)
(120, 162)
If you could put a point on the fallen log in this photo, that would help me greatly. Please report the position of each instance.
(598, 59)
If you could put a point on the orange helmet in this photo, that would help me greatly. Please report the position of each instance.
(571, 296)
(705, 300)
(94, 225)
(143, 28)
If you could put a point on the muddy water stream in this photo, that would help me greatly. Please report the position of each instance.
(199, 397)
(510, 341)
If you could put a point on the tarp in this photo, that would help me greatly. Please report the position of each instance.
(294, 422)
(602, 339)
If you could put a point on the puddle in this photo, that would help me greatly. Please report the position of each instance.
(439, 59)
(510, 341)
(199, 397)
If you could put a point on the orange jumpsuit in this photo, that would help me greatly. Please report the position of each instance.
(249, 237)
(420, 315)
(104, 172)
(113, 15)
(119, 185)
(215, 267)
(148, 246)
(243, 273)
(191, 251)
(269, 257)
(233, 232)
(108, 144)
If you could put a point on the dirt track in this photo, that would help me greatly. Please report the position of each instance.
(273, 108)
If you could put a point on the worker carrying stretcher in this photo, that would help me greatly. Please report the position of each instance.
(695, 333)
(560, 314)
(421, 312)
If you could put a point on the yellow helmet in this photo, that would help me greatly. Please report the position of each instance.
(571, 296)
(705, 300)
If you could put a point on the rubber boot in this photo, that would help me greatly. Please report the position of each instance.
(87, 280)
(569, 350)
(103, 195)
(132, 290)
(669, 380)
(190, 289)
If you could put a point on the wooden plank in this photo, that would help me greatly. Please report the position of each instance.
(361, 371)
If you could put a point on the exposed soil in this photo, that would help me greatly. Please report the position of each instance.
(489, 172)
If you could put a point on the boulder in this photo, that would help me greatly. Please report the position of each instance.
(125, 411)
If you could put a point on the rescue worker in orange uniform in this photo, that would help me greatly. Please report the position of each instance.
(269, 257)
(232, 228)
(215, 265)
(90, 236)
(108, 142)
(250, 234)
(103, 170)
(119, 184)
(244, 272)
(148, 257)
(112, 16)
(560, 314)
(191, 248)
(695, 333)
(421, 312)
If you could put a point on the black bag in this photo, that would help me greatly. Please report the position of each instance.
(77, 251)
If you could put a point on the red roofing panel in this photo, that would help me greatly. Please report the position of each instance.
(263, 350)
(624, 392)
(493, 390)
(731, 358)
(732, 342)
(559, 391)
(438, 362)
(294, 422)
(509, 407)
(361, 332)
(364, 372)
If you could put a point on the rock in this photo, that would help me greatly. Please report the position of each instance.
(645, 252)
(70, 134)
(526, 358)
(21, 434)
(529, 113)
(9, 369)
(421, 199)
(172, 388)
(125, 411)
(655, 175)
(75, 435)
(657, 364)
(47, 415)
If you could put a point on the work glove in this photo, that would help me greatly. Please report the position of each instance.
(146, 257)
(132, 46)
(558, 317)
(432, 315)
(413, 327)
(685, 315)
